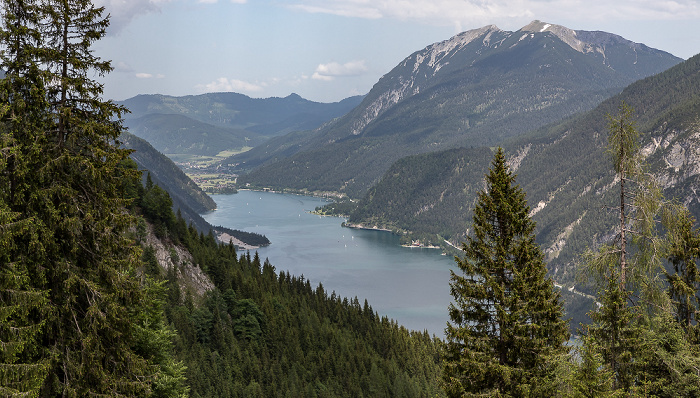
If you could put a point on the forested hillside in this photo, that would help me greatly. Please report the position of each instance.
(424, 195)
(165, 173)
(185, 197)
(264, 333)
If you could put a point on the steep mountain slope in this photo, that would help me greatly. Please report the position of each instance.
(186, 195)
(267, 117)
(564, 169)
(245, 329)
(477, 88)
(187, 198)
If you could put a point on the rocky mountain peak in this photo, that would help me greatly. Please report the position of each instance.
(568, 36)
(580, 40)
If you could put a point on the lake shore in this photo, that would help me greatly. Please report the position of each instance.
(227, 238)
(360, 226)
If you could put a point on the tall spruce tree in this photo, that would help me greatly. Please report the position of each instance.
(506, 320)
(92, 326)
(24, 362)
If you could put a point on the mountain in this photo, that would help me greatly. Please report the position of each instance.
(186, 195)
(188, 199)
(178, 134)
(476, 89)
(563, 168)
(268, 117)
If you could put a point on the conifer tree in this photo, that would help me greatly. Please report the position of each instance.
(64, 220)
(634, 309)
(23, 361)
(684, 278)
(506, 320)
(615, 329)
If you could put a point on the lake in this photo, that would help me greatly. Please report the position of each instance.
(409, 285)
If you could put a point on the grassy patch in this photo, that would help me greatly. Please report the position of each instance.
(204, 172)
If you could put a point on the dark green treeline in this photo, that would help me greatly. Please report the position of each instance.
(263, 333)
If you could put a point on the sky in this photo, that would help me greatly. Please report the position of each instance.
(328, 50)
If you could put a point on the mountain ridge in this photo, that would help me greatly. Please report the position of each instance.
(563, 168)
(264, 116)
(477, 88)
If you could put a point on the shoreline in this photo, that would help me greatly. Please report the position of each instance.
(226, 238)
(316, 194)
(360, 226)
(421, 247)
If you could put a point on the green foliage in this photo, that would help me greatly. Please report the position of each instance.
(75, 316)
(168, 175)
(644, 345)
(590, 378)
(251, 238)
(157, 208)
(24, 362)
(264, 333)
(684, 277)
(507, 324)
(341, 208)
(615, 335)
(425, 195)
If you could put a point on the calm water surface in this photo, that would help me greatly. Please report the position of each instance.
(405, 284)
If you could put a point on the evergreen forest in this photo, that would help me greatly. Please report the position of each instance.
(106, 292)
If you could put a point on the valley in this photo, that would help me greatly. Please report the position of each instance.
(409, 157)
(504, 213)
(411, 153)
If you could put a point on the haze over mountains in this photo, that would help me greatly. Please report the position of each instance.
(475, 89)
(211, 123)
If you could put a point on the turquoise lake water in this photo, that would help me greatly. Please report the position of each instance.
(409, 285)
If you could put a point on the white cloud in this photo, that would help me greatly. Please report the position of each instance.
(224, 84)
(330, 71)
(476, 12)
(124, 11)
(123, 67)
(149, 76)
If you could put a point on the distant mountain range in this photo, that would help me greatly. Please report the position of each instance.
(478, 88)
(208, 124)
(178, 134)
